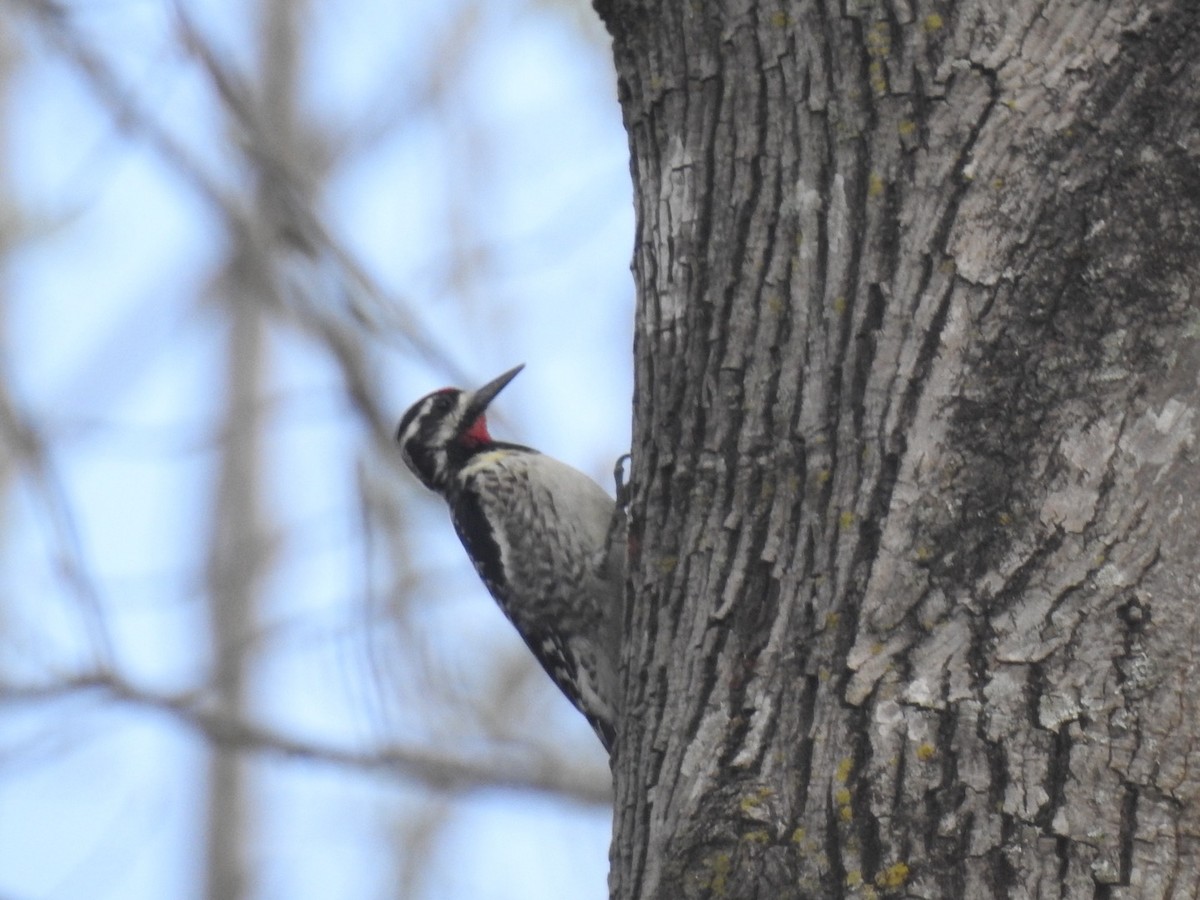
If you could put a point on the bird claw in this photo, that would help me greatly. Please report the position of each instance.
(615, 540)
(619, 478)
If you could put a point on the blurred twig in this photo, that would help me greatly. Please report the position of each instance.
(359, 296)
(437, 768)
(26, 445)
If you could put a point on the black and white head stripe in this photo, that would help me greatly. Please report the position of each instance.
(442, 429)
(426, 431)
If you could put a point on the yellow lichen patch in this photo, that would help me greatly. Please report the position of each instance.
(879, 39)
(842, 796)
(875, 185)
(924, 553)
(844, 768)
(756, 837)
(1004, 519)
(824, 475)
(720, 865)
(846, 520)
(780, 19)
(832, 619)
(751, 802)
(933, 22)
(798, 836)
(667, 564)
(906, 127)
(775, 304)
(926, 751)
(839, 305)
(879, 47)
(853, 879)
(846, 813)
(893, 876)
(878, 77)
(998, 183)
(823, 674)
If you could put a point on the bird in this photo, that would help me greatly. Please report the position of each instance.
(546, 540)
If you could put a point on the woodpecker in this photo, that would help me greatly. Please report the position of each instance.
(546, 539)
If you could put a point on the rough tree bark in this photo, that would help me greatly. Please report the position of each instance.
(914, 512)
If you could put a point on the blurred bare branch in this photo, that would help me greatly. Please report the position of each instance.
(359, 297)
(437, 768)
(27, 449)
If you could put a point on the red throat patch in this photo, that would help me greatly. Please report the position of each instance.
(477, 435)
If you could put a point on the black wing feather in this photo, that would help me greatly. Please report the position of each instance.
(479, 539)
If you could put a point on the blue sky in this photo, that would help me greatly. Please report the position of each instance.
(493, 206)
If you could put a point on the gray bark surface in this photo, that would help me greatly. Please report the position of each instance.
(914, 525)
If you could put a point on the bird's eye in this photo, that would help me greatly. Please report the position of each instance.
(442, 403)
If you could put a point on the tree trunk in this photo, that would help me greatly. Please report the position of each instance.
(914, 519)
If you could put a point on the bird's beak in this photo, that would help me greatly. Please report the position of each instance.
(486, 394)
